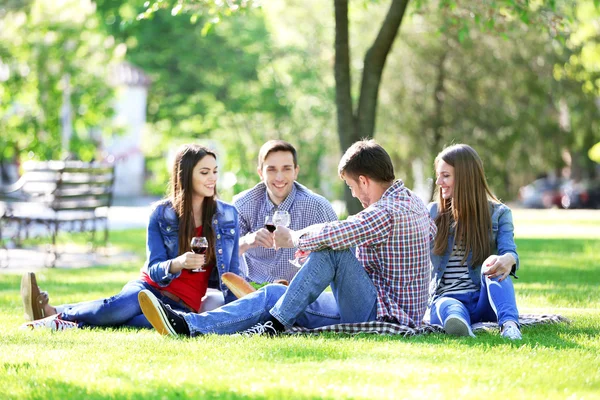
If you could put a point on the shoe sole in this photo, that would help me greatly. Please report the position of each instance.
(154, 313)
(32, 312)
(457, 327)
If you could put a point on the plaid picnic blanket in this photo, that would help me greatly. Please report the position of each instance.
(389, 328)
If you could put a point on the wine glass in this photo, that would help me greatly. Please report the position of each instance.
(269, 224)
(281, 218)
(199, 245)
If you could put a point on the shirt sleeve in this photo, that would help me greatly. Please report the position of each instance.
(244, 224)
(505, 239)
(158, 264)
(368, 227)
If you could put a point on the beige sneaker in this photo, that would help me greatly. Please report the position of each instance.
(33, 299)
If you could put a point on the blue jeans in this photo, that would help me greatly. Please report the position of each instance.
(494, 302)
(122, 309)
(304, 303)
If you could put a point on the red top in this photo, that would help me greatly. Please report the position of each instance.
(190, 286)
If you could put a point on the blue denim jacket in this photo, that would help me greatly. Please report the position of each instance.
(503, 239)
(162, 245)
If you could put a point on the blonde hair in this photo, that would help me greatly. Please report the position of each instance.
(468, 210)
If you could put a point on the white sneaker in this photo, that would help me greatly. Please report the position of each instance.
(511, 331)
(53, 322)
(260, 329)
(457, 326)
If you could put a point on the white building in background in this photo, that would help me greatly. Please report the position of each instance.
(130, 115)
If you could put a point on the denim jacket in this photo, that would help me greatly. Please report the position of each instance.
(502, 238)
(162, 245)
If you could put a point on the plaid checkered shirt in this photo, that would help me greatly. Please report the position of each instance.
(305, 207)
(392, 238)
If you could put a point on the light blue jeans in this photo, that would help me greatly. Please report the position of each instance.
(304, 303)
(494, 302)
(122, 309)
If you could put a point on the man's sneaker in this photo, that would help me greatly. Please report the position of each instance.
(457, 326)
(33, 299)
(268, 328)
(511, 331)
(164, 319)
(53, 322)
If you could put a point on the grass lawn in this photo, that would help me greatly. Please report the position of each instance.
(558, 275)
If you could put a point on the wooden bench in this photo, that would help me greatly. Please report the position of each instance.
(56, 195)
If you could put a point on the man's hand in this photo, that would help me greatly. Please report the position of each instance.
(283, 237)
(261, 237)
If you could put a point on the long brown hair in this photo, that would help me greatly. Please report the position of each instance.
(468, 210)
(180, 194)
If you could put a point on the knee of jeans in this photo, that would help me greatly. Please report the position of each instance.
(273, 292)
(274, 289)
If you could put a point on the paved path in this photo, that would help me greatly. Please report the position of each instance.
(124, 214)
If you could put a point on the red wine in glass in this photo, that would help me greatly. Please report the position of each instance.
(269, 224)
(270, 227)
(199, 245)
(199, 249)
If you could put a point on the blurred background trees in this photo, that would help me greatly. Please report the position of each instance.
(519, 83)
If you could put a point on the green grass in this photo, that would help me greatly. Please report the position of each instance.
(553, 361)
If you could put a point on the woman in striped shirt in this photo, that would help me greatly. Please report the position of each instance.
(474, 251)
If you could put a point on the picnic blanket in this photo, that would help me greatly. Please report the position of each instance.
(390, 328)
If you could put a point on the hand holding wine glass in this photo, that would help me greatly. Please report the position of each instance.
(199, 245)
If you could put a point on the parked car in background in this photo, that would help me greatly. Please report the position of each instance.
(585, 194)
(542, 193)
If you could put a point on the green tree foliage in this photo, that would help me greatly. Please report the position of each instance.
(242, 82)
(44, 47)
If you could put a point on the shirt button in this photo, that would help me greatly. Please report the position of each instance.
(232, 231)
(168, 229)
(220, 251)
(215, 221)
(222, 266)
(219, 236)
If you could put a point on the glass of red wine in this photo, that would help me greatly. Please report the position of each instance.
(269, 224)
(199, 245)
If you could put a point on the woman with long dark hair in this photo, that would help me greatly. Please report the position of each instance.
(172, 271)
(474, 250)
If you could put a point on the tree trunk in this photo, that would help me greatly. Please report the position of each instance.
(373, 68)
(347, 129)
(352, 127)
(438, 119)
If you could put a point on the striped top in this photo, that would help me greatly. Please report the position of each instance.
(456, 277)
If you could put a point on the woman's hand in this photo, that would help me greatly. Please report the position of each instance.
(498, 266)
(187, 260)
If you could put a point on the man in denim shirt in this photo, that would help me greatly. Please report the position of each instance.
(278, 190)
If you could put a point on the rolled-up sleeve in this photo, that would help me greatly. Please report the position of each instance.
(368, 227)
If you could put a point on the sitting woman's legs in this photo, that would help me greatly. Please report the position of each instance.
(452, 314)
(122, 309)
(497, 302)
(112, 311)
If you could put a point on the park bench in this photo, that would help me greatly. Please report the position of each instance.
(66, 196)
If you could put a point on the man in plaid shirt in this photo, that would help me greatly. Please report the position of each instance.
(385, 280)
(278, 190)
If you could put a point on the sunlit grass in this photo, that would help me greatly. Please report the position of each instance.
(552, 362)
